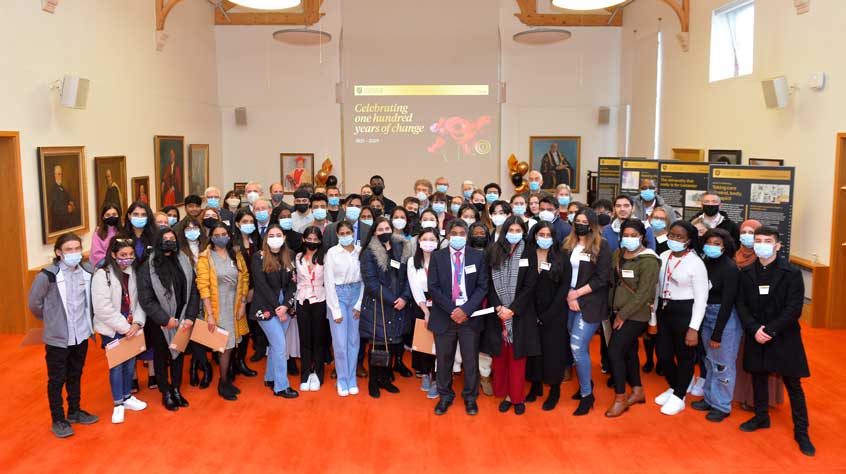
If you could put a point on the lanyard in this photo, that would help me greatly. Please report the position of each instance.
(668, 273)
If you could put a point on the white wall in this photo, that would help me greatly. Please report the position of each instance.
(731, 114)
(136, 92)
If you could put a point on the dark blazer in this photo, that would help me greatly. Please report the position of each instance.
(525, 326)
(560, 230)
(330, 234)
(440, 288)
(785, 353)
(266, 287)
(597, 274)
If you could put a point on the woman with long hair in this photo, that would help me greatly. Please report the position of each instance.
(479, 201)
(138, 225)
(108, 227)
(311, 310)
(418, 280)
(246, 241)
(192, 242)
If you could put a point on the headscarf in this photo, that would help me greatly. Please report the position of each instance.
(745, 256)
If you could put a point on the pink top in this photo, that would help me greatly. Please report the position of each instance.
(99, 247)
(309, 281)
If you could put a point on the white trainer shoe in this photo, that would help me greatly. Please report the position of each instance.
(674, 406)
(304, 387)
(662, 399)
(343, 392)
(698, 388)
(134, 404)
(117, 414)
(353, 390)
(313, 383)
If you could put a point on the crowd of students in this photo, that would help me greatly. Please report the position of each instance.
(513, 291)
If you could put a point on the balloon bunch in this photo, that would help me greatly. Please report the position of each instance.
(323, 176)
(517, 169)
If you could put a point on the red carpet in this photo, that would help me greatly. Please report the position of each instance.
(320, 432)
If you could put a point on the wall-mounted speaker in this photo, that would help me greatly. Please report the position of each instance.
(74, 92)
(604, 116)
(241, 116)
(776, 92)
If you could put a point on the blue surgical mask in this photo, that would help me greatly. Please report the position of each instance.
(467, 194)
(544, 242)
(192, 234)
(563, 200)
(213, 202)
(454, 208)
(368, 222)
(170, 220)
(248, 228)
(630, 243)
(352, 213)
(747, 240)
(491, 197)
(345, 240)
(262, 216)
(319, 214)
(334, 201)
(286, 223)
(439, 207)
(764, 250)
(514, 238)
(518, 210)
(676, 246)
(712, 251)
(570, 217)
(647, 194)
(72, 259)
(138, 222)
(220, 241)
(442, 188)
(457, 242)
(534, 186)
(658, 224)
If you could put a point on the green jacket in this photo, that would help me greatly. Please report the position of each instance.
(633, 285)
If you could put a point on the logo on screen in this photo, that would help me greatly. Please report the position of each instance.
(482, 147)
(358, 90)
(463, 133)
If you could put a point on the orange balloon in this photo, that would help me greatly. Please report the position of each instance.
(523, 187)
(522, 167)
(321, 177)
(512, 164)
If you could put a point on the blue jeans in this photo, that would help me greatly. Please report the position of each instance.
(722, 361)
(345, 337)
(277, 353)
(581, 333)
(120, 376)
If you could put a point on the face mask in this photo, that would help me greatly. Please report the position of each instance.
(518, 210)
(546, 215)
(563, 200)
(534, 186)
(581, 229)
(334, 201)
(213, 202)
(764, 251)
(398, 223)
(457, 242)
(311, 245)
(111, 221)
(368, 222)
(468, 193)
(286, 223)
(220, 241)
(658, 224)
(378, 189)
(252, 197)
(630, 243)
(171, 221)
(277, 197)
(468, 221)
(72, 259)
(428, 246)
(209, 221)
(676, 246)
(514, 238)
(262, 216)
(301, 208)
(544, 242)
(125, 262)
(478, 242)
(491, 197)
(248, 228)
(570, 217)
(192, 234)
(233, 202)
(712, 251)
(345, 240)
(442, 188)
(498, 219)
(439, 207)
(647, 194)
(384, 238)
(747, 240)
(480, 206)
(421, 196)
(352, 213)
(275, 243)
(454, 208)
(710, 210)
(138, 222)
(603, 219)
(319, 214)
(428, 224)
(168, 246)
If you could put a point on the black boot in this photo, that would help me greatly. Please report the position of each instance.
(225, 392)
(178, 398)
(193, 378)
(373, 387)
(206, 367)
(534, 392)
(168, 402)
(552, 399)
(400, 368)
(585, 405)
(241, 366)
(578, 394)
(292, 367)
(649, 349)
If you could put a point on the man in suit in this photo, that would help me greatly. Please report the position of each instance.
(112, 191)
(63, 211)
(535, 180)
(349, 212)
(458, 282)
(556, 168)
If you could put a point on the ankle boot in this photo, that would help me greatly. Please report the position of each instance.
(637, 396)
(225, 392)
(177, 397)
(535, 392)
(242, 368)
(207, 375)
(585, 405)
(193, 379)
(169, 403)
(552, 399)
(618, 406)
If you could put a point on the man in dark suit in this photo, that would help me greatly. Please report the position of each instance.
(458, 282)
(349, 212)
(63, 210)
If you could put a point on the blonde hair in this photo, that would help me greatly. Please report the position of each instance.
(563, 187)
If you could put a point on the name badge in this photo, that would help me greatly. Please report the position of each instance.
(763, 289)
(545, 266)
(524, 262)
(225, 222)
(460, 301)
(470, 269)
(395, 264)
(428, 303)
(628, 273)
(660, 238)
(585, 257)
(443, 232)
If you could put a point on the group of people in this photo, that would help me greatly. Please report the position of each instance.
(512, 290)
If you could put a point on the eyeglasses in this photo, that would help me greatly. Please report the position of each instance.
(124, 241)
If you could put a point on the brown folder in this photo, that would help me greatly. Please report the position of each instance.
(215, 341)
(180, 339)
(424, 340)
(33, 337)
(121, 350)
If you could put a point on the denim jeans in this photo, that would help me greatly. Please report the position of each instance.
(345, 337)
(120, 376)
(581, 333)
(277, 353)
(722, 361)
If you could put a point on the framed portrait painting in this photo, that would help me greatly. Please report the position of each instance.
(141, 189)
(725, 157)
(297, 169)
(198, 169)
(240, 188)
(63, 192)
(110, 180)
(170, 170)
(557, 159)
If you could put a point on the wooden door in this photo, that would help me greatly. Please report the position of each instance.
(14, 315)
(836, 293)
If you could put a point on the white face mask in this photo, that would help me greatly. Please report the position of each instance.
(547, 216)
(428, 224)
(428, 245)
(498, 219)
(275, 243)
(468, 220)
(252, 196)
(399, 224)
(233, 202)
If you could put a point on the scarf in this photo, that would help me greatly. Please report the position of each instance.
(745, 256)
(505, 284)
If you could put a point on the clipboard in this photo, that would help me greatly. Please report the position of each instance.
(482, 312)
(215, 341)
(424, 339)
(180, 340)
(33, 337)
(121, 350)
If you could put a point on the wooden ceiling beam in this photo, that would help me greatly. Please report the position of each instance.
(162, 11)
(311, 14)
(682, 9)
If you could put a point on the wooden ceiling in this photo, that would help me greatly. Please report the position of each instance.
(530, 16)
(309, 15)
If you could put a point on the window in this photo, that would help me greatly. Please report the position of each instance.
(732, 37)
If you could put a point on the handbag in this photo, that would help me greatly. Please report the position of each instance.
(378, 357)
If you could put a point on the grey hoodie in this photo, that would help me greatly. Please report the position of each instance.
(47, 302)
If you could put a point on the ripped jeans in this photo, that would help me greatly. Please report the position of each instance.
(581, 332)
(722, 361)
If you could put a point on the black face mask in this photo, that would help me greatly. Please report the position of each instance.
(582, 229)
(311, 245)
(384, 238)
(208, 222)
(301, 208)
(168, 246)
(377, 189)
(604, 219)
(710, 210)
(111, 221)
(480, 206)
(478, 242)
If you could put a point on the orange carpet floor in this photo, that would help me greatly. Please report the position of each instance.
(321, 432)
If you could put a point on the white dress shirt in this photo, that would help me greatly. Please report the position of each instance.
(300, 221)
(418, 280)
(341, 268)
(686, 281)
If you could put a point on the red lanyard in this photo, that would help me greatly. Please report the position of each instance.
(668, 273)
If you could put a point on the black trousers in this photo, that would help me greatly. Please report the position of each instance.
(64, 369)
(445, 346)
(676, 358)
(622, 353)
(798, 408)
(312, 327)
(163, 361)
(383, 375)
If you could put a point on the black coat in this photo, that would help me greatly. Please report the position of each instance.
(385, 278)
(597, 274)
(525, 326)
(551, 306)
(785, 353)
(266, 287)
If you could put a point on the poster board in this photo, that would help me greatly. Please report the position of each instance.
(682, 185)
(608, 180)
(633, 170)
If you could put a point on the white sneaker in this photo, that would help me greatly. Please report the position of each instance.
(698, 388)
(117, 414)
(343, 392)
(674, 406)
(313, 383)
(662, 399)
(134, 404)
(304, 387)
(353, 390)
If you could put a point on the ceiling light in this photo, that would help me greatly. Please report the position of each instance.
(302, 36)
(585, 4)
(542, 36)
(267, 4)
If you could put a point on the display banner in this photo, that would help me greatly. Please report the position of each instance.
(608, 182)
(633, 170)
(682, 185)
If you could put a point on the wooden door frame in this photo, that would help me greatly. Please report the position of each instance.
(837, 259)
(15, 170)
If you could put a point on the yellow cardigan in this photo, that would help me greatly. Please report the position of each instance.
(207, 286)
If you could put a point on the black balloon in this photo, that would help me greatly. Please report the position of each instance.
(516, 179)
(331, 181)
